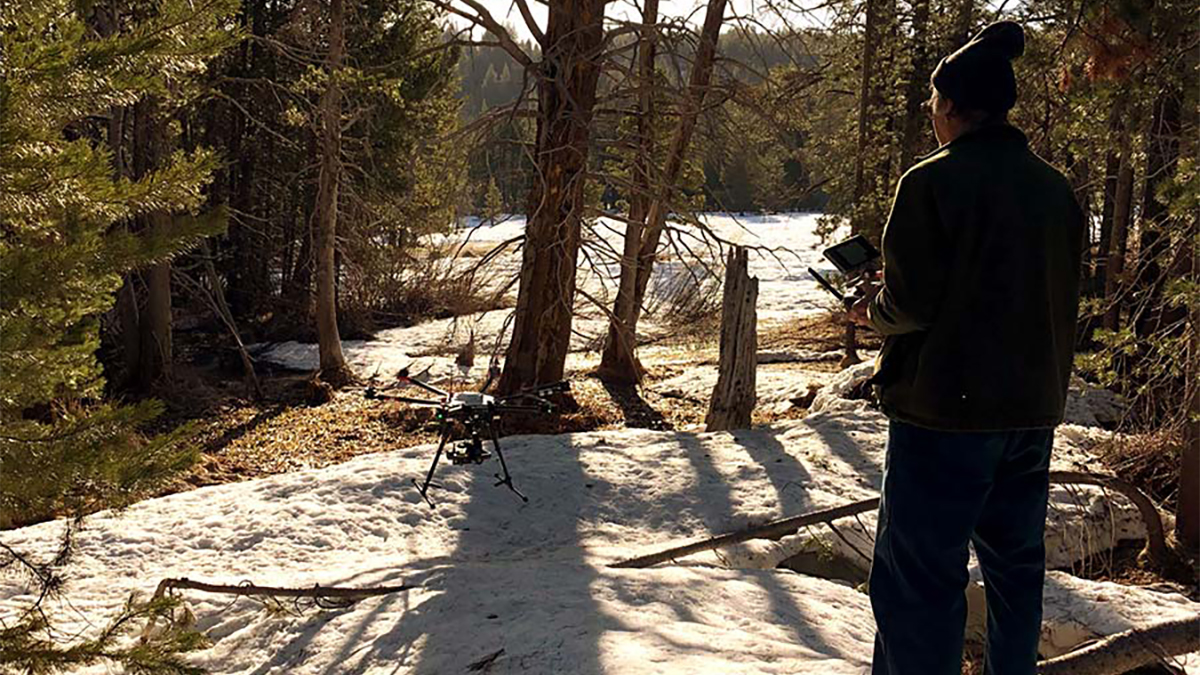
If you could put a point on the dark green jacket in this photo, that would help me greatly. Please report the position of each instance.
(980, 288)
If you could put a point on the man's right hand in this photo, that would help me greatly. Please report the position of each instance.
(857, 313)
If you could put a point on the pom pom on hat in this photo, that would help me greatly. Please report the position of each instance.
(1004, 37)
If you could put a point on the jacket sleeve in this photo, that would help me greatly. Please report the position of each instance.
(916, 258)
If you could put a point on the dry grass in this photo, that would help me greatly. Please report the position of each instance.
(1149, 461)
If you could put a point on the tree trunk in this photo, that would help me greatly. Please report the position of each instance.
(329, 343)
(963, 19)
(619, 363)
(858, 223)
(734, 395)
(155, 351)
(131, 332)
(541, 337)
(859, 220)
(627, 312)
(1122, 200)
(154, 325)
(1112, 166)
(1117, 125)
(918, 83)
(1187, 508)
(1162, 154)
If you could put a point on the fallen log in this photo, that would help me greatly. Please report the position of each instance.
(1156, 545)
(1123, 652)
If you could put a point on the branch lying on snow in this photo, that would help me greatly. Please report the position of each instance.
(249, 589)
(1155, 541)
(1123, 652)
(340, 597)
(773, 530)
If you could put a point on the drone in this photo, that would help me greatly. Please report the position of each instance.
(478, 413)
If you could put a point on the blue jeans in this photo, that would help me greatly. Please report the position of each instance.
(942, 489)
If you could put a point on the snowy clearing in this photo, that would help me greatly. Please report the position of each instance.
(785, 292)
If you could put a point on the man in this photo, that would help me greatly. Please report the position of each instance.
(978, 305)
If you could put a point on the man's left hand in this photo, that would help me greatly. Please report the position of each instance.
(858, 311)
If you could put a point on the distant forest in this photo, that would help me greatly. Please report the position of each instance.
(735, 163)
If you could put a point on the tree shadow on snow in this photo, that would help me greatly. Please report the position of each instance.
(637, 412)
(786, 474)
(514, 582)
(838, 437)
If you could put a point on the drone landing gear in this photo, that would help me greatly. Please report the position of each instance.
(469, 451)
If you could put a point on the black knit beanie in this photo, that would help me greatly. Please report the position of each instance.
(979, 76)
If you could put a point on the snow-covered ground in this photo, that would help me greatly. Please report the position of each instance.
(532, 579)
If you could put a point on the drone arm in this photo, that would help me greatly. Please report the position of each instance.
(409, 399)
(424, 385)
(518, 408)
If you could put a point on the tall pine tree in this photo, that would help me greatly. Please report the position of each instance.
(63, 251)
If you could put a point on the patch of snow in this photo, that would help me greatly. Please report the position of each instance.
(1092, 406)
(835, 396)
(540, 567)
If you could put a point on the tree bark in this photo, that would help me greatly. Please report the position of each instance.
(619, 362)
(1187, 507)
(858, 223)
(155, 350)
(329, 342)
(734, 395)
(1117, 125)
(570, 70)
(859, 219)
(1162, 155)
(963, 18)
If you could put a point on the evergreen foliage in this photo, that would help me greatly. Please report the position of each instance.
(64, 452)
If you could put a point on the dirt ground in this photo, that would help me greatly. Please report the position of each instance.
(296, 426)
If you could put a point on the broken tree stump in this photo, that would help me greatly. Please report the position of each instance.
(734, 396)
